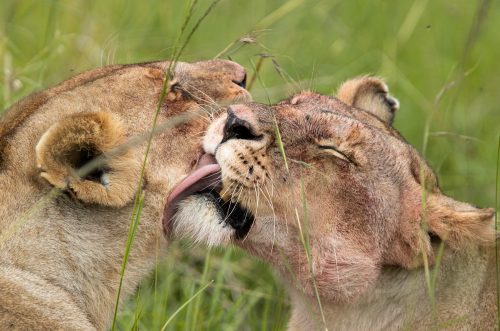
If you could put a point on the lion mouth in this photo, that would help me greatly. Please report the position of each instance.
(206, 181)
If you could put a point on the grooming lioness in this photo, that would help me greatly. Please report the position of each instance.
(336, 207)
(60, 256)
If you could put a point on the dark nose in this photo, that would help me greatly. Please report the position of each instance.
(237, 128)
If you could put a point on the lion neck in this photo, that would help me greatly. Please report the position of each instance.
(463, 295)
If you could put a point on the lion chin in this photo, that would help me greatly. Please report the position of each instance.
(328, 193)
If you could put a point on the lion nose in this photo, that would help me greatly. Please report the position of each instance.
(238, 128)
(238, 75)
(241, 81)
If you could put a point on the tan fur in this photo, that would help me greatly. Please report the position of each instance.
(350, 192)
(89, 133)
(371, 94)
(60, 258)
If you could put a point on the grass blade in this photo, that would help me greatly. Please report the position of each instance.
(197, 303)
(134, 223)
(497, 205)
(137, 209)
(184, 305)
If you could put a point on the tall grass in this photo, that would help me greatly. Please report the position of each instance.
(139, 197)
(418, 46)
(497, 206)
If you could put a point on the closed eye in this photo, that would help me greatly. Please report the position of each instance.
(337, 153)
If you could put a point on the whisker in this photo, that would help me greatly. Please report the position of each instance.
(246, 214)
(234, 207)
(237, 199)
(209, 98)
(271, 205)
(211, 185)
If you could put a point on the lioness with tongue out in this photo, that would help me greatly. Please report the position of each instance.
(345, 210)
(60, 257)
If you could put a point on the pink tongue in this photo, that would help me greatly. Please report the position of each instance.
(206, 176)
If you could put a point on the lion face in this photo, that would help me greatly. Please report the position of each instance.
(326, 193)
(97, 114)
(206, 82)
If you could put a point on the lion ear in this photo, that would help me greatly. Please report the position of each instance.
(370, 94)
(458, 223)
(79, 154)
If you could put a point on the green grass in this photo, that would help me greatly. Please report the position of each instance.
(439, 57)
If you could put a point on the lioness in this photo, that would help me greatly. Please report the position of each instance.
(60, 264)
(346, 211)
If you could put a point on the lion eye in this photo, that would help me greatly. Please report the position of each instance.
(335, 152)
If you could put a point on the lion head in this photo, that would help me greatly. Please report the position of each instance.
(324, 189)
(73, 242)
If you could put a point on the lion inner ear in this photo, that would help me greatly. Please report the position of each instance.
(370, 94)
(80, 156)
(74, 154)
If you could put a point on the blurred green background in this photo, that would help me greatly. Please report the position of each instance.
(440, 59)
